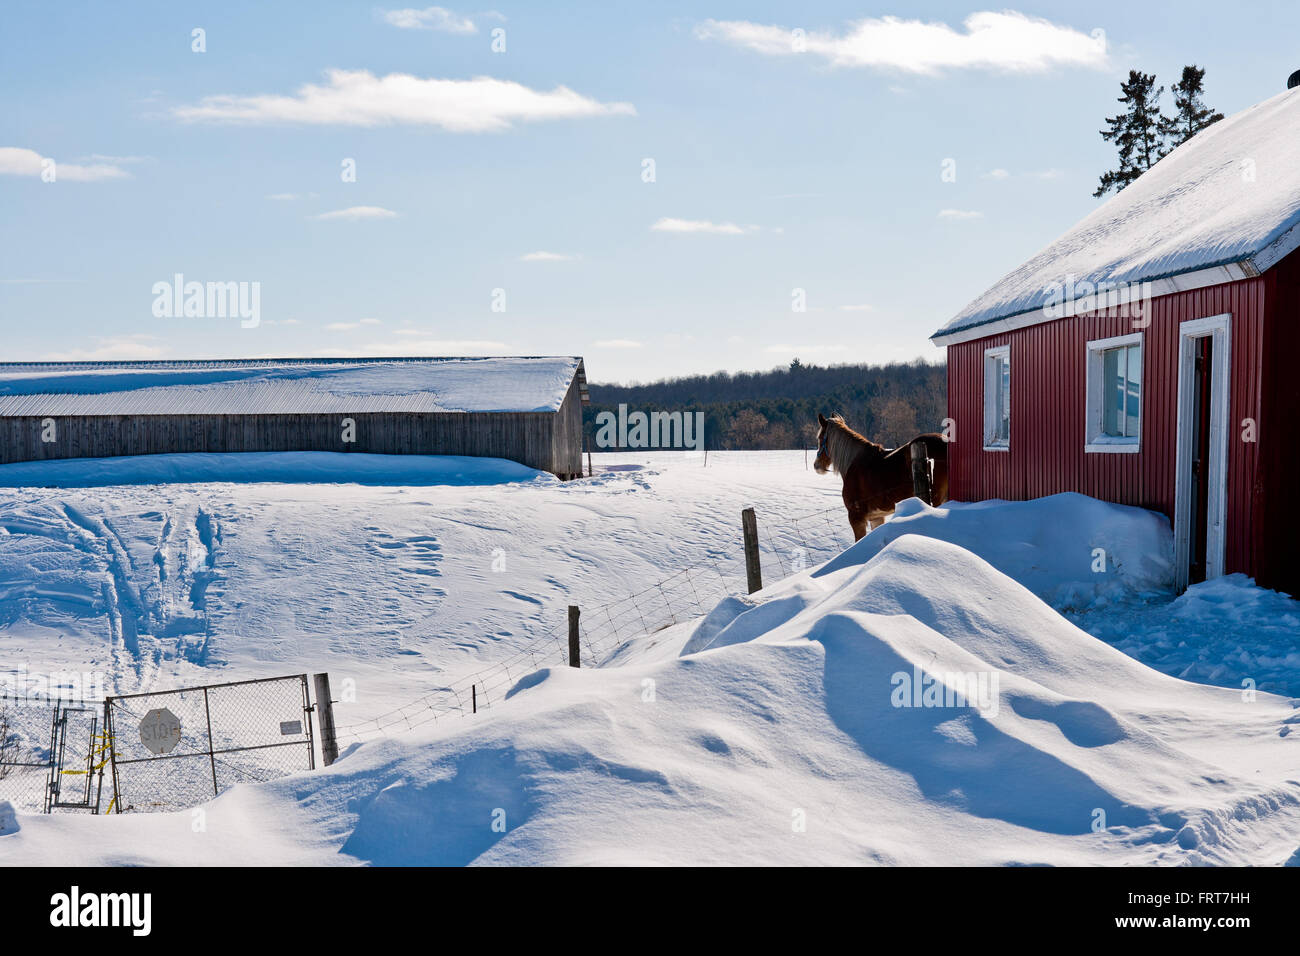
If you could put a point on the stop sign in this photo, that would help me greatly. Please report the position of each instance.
(160, 731)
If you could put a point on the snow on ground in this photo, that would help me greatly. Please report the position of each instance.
(399, 587)
(766, 732)
(1222, 632)
(1071, 550)
(290, 467)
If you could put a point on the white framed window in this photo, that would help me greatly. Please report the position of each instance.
(997, 398)
(1114, 406)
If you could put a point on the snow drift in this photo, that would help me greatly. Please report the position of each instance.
(820, 721)
(1071, 550)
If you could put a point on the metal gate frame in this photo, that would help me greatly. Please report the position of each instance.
(211, 751)
(58, 761)
(61, 757)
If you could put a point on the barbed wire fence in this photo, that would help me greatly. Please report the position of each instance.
(43, 767)
(789, 544)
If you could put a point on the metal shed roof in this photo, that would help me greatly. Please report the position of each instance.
(289, 386)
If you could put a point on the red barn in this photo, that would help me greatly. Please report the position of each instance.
(1149, 355)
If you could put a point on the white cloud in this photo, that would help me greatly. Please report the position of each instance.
(359, 98)
(701, 225)
(1038, 174)
(803, 349)
(618, 344)
(959, 214)
(430, 18)
(1004, 41)
(425, 347)
(342, 326)
(120, 349)
(372, 322)
(547, 257)
(115, 160)
(358, 212)
(16, 161)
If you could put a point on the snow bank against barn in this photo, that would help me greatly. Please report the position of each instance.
(1071, 550)
(823, 728)
(302, 467)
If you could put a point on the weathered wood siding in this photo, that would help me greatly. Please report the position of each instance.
(566, 440)
(548, 441)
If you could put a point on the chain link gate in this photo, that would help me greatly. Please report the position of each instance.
(52, 754)
(77, 771)
(178, 748)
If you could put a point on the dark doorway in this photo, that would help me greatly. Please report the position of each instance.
(1203, 374)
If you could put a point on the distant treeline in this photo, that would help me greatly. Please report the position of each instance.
(778, 409)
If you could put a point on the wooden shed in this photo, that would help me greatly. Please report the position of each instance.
(1145, 357)
(527, 409)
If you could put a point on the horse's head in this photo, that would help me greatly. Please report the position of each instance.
(822, 463)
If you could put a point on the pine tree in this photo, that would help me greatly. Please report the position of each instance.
(1137, 132)
(1193, 115)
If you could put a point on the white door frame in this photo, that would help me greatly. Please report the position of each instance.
(1219, 328)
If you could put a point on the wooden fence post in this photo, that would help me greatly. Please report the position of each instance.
(921, 472)
(329, 745)
(574, 654)
(753, 569)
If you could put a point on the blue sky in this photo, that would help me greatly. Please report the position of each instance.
(775, 171)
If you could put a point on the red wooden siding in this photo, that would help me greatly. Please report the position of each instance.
(1276, 511)
(1048, 399)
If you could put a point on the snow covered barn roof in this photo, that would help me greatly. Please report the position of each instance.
(1223, 206)
(289, 386)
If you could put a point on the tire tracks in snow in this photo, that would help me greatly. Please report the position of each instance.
(125, 608)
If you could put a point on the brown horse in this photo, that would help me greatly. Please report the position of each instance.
(875, 479)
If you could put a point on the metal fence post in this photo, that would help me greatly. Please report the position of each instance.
(212, 757)
(329, 745)
(112, 754)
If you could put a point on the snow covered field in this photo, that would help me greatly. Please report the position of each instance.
(776, 729)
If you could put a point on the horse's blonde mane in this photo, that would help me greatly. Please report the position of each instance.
(844, 445)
